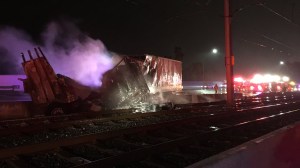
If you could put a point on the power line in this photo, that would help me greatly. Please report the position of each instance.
(287, 51)
(278, 42)
(277, 14)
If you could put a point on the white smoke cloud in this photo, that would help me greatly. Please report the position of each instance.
(13, 40)
(76, 55)
(69, 51)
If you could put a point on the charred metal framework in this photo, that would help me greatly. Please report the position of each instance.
(42, 83)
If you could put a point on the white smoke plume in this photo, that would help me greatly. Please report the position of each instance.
(69, 51)
(12, 42)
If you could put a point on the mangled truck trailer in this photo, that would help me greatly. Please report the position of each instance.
(136, 79)
(132, 81)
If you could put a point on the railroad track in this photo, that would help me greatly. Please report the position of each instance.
(40, 124)
(117, 142)
(267, 98)
(27, 125)
(133, 148)
(241, 104)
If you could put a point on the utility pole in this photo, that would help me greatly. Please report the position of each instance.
(229, 59)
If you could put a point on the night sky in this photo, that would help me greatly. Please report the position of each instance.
(263, 31)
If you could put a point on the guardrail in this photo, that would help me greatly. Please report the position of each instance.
(11, 87)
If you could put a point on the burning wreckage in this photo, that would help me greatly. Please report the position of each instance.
(134, 82)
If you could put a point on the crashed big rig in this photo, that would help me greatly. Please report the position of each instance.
(49, 91)
(132, 81)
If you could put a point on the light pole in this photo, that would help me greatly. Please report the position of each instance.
(214, 51)
(229, 60)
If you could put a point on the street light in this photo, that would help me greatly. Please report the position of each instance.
(214, 51)
(284, 68)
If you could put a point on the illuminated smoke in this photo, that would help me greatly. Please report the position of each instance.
(76, 55)
(12, 41)
(69, 51)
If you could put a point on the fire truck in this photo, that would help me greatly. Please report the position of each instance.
(264, 83)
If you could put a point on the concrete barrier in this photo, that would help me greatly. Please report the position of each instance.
(278, 149)
(194, 98)
(14, 110)
(198, 98)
